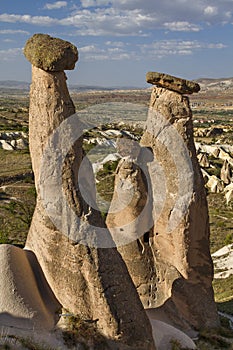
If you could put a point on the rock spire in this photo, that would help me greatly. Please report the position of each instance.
(92, 283)
(180, 241)
(172, 267)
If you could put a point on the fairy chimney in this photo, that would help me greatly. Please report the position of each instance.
(171, 265)
(180, 241)
(91, 282)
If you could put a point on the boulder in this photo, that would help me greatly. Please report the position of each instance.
(226, 173)
(203, 160)
(215, 151)
(214, 184)
(6, 145)
(225, 155)
(168, 337)
(26, 302)
(205, 175)
(21, 143)
(229, 193)
(50, 54)
(172, 83)
(13, 143)
(223, 262)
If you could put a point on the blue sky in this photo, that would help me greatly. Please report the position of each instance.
(120, 40)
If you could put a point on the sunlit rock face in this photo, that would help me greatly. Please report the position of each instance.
(169, 260)
(91, 282)
(180, 239)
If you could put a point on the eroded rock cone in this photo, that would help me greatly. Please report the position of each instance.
(226, 173)
(129, 218)
(91, 283)
(25, 304)
(180, 239)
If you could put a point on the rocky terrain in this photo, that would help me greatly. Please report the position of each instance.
(78, 294)
(216, 85)
(10, 141)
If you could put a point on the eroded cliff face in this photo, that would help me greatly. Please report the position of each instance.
(171, 265)
(92, 283)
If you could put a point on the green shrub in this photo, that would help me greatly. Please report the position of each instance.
(229, 238)
(4, 238)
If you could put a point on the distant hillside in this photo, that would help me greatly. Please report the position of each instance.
(82, 88)
(216, 85)
(18, 85)
(223, 85)
(13, 84)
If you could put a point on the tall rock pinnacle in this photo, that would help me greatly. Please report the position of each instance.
(181, 231)
(169, 261)
(92, 283)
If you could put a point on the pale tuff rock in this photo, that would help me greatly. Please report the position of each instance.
(223, 261)
(225, 155)
(169, 261)
(180, 239)
(11, 141)
(223, 152)
(50, 54)
(165, 335)
(91, 283)
(172, 83)
(214, 184)
(226, 173)
(128, 220)
(229, 193)
(6, 145)
(25, 304)
(203, 160)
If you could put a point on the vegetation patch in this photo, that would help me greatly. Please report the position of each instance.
(221, 221)
(83, 332)
(12, 342)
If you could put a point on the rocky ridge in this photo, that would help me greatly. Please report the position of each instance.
(213, 85)
(216, 162)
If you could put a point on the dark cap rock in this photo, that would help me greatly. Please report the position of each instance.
(50, 54)
(172, 83)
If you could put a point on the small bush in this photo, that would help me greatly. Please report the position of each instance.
(216, 341)
(229, 238)
(176, 345)
(4, 238)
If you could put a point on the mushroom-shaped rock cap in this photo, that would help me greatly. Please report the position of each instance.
(50, 54)
(172, 83)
